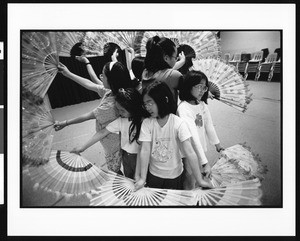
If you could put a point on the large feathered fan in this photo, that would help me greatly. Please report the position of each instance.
(39, 61)
(225, 83)
(67, 41)
(37, 132)
(204, 43)
(67, 174)
(244, 193)
(238, 163)
(120, 192)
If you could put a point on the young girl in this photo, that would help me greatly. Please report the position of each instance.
(130, 106)
(114, 76)
(193, 109)
(162, 136)
(161, 57)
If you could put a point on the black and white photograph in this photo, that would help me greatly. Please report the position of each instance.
(137, 118)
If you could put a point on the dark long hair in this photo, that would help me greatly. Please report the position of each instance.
(189, 55)
(132, 101)
(157, 48)
(191, 79)
(118, 77)
(162, 95)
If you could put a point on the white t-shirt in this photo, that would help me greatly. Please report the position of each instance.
(165, 160)
(121, 126)
(199, 122)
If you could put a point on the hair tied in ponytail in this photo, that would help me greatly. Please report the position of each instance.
(156, 39)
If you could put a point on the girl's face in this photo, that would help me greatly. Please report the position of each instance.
(199, 90)
(122, 111)
(103, 78)
(171, 60)
(150, 106)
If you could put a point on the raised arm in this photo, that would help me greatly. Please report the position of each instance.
(180, 62)
(95, 138)
(90, 69)
(82, 81)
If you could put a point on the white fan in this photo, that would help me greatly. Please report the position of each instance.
(225, 83)
(244, 193)
(205, 43)
(39, 61)
(67, 174)
(37, 132)
(237, 163)
(120, 192)
(66, 41)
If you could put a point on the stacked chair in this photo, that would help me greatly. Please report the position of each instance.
(253, 64)
(242, 65)
(235, 60)
(226, 57)
(268, 67)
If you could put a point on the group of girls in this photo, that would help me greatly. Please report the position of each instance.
(159, 142)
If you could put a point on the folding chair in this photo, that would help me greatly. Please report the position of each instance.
(266, 66)
(275, 69)
(235, 60)
(252, 65)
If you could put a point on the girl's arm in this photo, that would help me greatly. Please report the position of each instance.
(180, 62)
(192, 159)
(144, 160)
(210, 130)
(137, 174)
(97, 137)
(90, 69)
(79, 80)
(129, 53)
(62, 124)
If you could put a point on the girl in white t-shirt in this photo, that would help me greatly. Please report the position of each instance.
(130, 107)
(194, 110)
(162, 137)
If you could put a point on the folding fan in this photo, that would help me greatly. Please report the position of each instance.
(37, 129)
(66, 41)
(39, 61)
(68, 174)
(124, 39)
(225, 83)
(237, 164)
(204, 43)
(242, 193)
(120, 192)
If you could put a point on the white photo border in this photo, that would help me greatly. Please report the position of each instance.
(150, 221)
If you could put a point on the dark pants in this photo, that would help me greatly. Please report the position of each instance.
(164, 183)
(129, 163)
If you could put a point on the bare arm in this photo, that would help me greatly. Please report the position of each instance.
(137, 174)
(144, 160)
(61, 124)
(82, 81)
(95, 138)
(90, 69)
(192, 159)
(180, 62)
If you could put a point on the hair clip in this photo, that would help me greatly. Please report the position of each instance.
(125, 93)
(111, 64)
